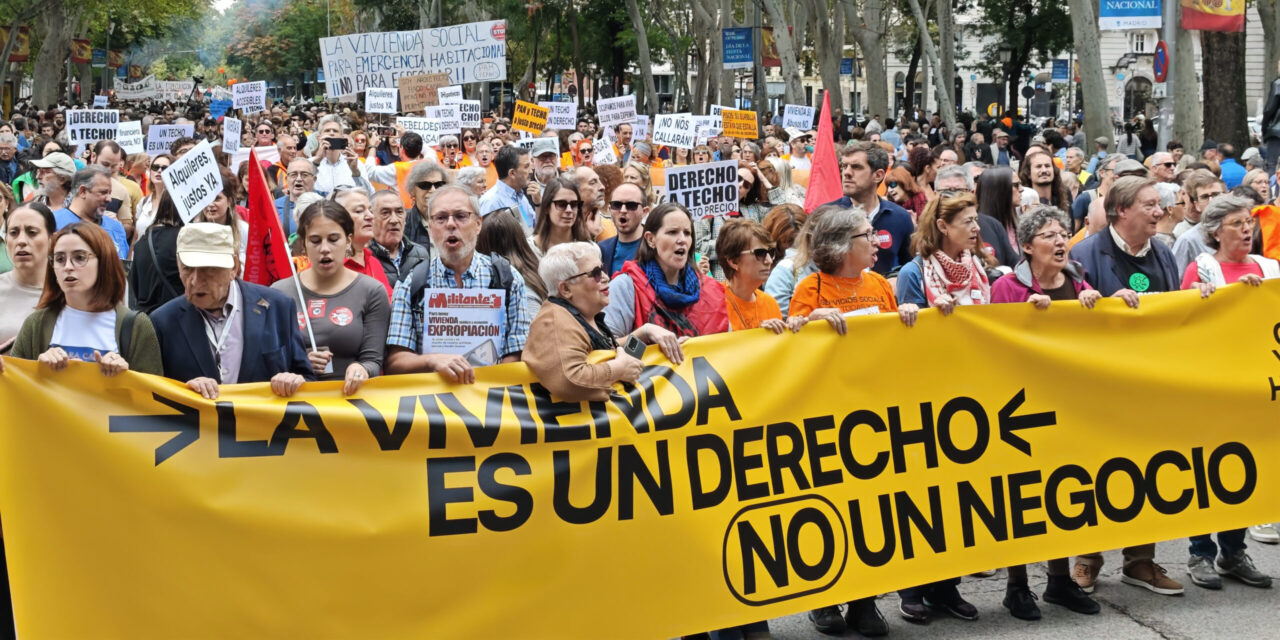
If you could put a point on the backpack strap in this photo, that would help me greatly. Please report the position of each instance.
(155, 264)
(125, 338)
(500, 274)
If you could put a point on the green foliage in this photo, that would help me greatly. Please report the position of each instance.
(1035, 30)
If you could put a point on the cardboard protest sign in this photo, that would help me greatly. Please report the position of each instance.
(612, 112)
(798, 116)
(529, 117)
(640, 128)
(561, 116)
(193, 181)
(129, 137)
(464, 322)
(449, 95)
(472, 52)
(99, 102)
(140, 90)
(249, 97)
(91, 125)
(674, 130)
(447, 115)
(739, 124)
(469, 114)
(603, 153)
(379, 100)
(160, 136)
(705, 189)
(419, 91)
(428, 128)
(231, 129)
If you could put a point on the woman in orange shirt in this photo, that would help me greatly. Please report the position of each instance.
(747, 259)
(841, 243)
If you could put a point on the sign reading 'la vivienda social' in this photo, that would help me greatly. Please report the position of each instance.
(1129, 14)
(473, 52)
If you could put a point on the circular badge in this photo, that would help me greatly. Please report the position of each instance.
(884, 239)
(341, 317)
(1139, 282)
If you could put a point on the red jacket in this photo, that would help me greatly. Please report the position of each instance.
(706, 316)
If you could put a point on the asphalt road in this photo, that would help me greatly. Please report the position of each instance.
(1237, 611)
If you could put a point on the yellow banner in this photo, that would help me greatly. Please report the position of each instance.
(739, 124)
(765, 475)
(529, 117)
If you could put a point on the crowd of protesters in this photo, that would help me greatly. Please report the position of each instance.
(100, 266)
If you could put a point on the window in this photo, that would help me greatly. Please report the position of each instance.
(1139, 42)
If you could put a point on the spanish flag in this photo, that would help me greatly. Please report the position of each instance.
(1213, 15)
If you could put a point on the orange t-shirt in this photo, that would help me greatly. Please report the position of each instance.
(745, 315)
(825, 291)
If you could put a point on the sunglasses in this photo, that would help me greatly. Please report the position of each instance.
(892, 184)
(468, 138)
(1168, 164)
(596, 274)
(266, 131)
(159, 167)
(500, 131)
(451, 145)
(619, 205)
(567, 204)
(427, 185)
(760, 254)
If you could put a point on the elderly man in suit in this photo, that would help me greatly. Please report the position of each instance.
(226, 331)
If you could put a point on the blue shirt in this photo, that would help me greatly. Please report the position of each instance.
(623, 252)
(503, 195)
(1232, 173)
(64, 217)
(284, 209)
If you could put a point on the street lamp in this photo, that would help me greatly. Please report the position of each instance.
(1006, 52)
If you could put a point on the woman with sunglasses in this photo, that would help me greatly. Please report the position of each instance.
(701, 154)
(747, 254)
(470, 147)
(584, 153)
(900, 189)
(559, 217)
(750, 206)
(81, 315)
(146, 213)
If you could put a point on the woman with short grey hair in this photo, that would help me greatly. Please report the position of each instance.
(1044, 274)
(472, 178)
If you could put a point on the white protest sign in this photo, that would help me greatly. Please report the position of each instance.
(526, 143)
(140, 90)
(379, 100)
(705, 189)
(269, 154)
(91, 125)
(193, 181)
(449, 95)
(615, 111)
(174, 90)
(706, 126)
(603, 153)
(447, 114)
(674, 130)
(231, 129)
(99, 102)
(640, 129)
(716, 109)
(129, 137)
(160, 136)
(561, 116)
(469, 114)
(472, 52)
(249, 97)
(465, 322)
(428, 128)
(220, 93)
(798, 116)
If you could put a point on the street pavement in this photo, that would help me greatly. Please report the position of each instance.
(1238, 611)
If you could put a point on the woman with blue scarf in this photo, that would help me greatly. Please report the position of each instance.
(662, 287)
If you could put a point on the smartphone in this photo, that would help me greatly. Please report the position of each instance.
(337, 143)
(634, 348)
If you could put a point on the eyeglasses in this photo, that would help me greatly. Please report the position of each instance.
(451, 145)
(746, 183)
(468, 138)
(567, 204)
(1205, 197)
(458, 217)
(427, 185)
(869, 235)
(761, 254)
(619, 205)
(500, 132)
(892, 184)
(1053, 235)
(596, 274)
(298, 175)
(159, 167)
(1241, 224)
(266, 131)
(1169, 165)
(586, 152)
(77, 258)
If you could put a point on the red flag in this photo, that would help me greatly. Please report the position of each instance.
(824, 172)
(267, 259)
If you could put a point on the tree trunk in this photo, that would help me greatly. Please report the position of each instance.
(829, 46)
(868, 28)
(1084, 27)
(1224, 92)
(1269, 14)
(909, 82)
(947, 50)
(650, 97)
(50, 61)
(945, 106)
(794, 91)
(727, 76)
(1187, 122)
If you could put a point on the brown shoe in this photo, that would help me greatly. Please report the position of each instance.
(1151, 576)
(1085, 574)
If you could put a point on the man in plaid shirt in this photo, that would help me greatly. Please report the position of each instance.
(453, 223)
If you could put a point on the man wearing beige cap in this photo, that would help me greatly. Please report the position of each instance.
(226, 331)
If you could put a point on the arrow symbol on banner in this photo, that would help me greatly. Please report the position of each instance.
(186, 423)
(1010, 423)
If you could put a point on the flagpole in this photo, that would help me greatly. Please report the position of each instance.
(284, 244)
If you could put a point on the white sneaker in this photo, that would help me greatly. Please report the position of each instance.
(1265, 533)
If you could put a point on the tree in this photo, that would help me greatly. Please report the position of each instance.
(1032, 30)
(947, 107)
(947, 50)
(1084, 28)
(1269, 15)
(869, 29)
(828, 18)
(1225, 112)
(650, 98)
(1186, 92)
(793, 91)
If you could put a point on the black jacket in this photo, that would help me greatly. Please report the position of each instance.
(1271, 114)
(154, 279)
(411, 255)
(995, 236)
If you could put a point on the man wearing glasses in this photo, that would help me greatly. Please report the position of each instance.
(1202, 187)
(454, 226)
(629, 208)
(1163, 166)
(302, 179)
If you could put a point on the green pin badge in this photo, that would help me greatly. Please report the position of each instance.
(1139, 282)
